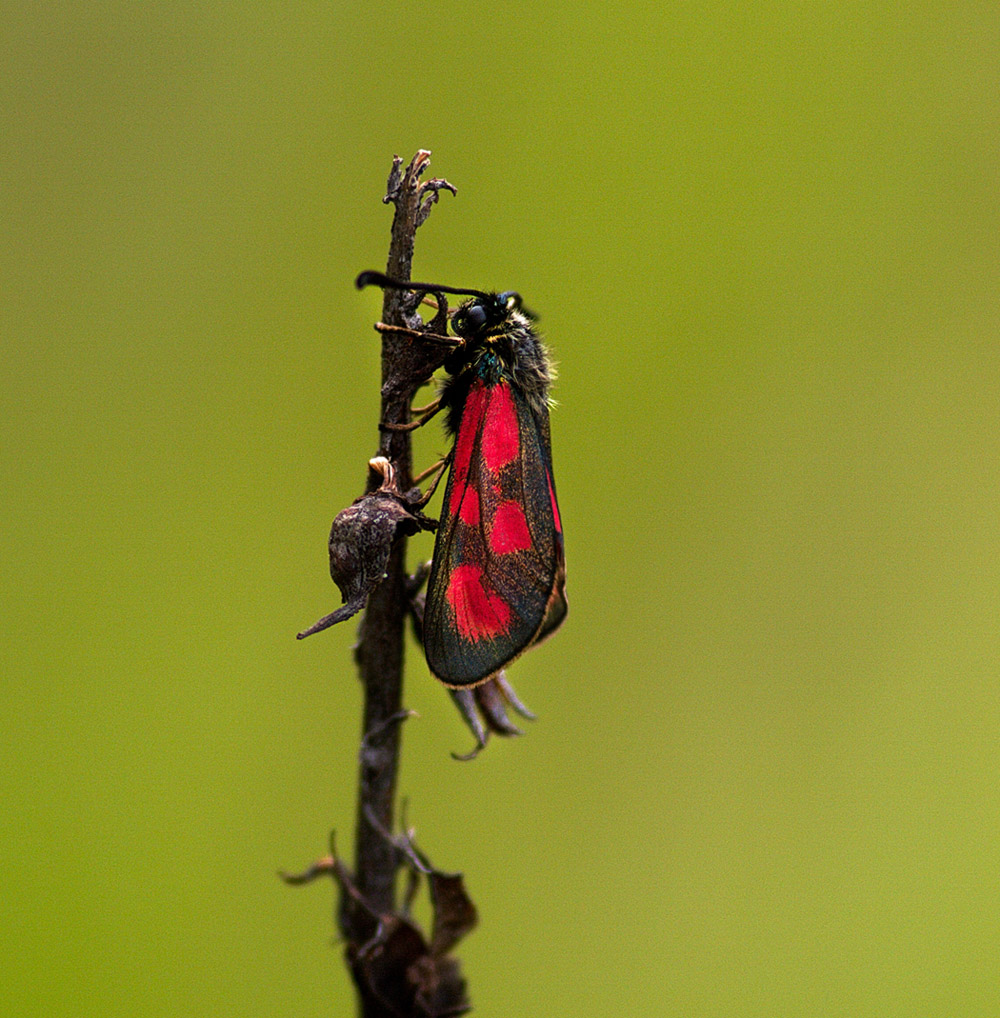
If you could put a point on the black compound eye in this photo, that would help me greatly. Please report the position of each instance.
(476, 316)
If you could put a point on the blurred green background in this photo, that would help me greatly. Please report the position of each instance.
(763, 240)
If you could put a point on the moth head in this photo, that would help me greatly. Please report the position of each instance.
(477, 318)
(484, 314)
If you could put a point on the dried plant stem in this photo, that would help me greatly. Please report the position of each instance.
(380, 649)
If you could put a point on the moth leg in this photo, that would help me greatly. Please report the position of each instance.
(424, 337)
(426, 413)
(439, 468)
(433, 405)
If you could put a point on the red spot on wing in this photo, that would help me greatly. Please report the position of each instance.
(480, 612)
(510, 530)
(501, 439)
(555, 508)
(468, 511)
(472, 416)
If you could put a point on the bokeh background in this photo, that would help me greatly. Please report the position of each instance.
(763, 240)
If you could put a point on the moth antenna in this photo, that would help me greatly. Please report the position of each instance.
(372, 278)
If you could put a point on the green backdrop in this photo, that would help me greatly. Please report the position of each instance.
(763, 242)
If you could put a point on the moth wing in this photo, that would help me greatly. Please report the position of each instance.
(497, 574)
(558, 606)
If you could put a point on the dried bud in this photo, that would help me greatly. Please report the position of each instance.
(362, 537)
(483, 707)
(488, 702)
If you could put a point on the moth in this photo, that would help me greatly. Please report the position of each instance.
(498, 574)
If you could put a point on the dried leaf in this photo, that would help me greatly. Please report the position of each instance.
(397, 967)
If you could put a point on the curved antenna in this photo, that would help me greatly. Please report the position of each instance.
(372, 278)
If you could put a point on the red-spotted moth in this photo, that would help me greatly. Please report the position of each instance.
(498, 575)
